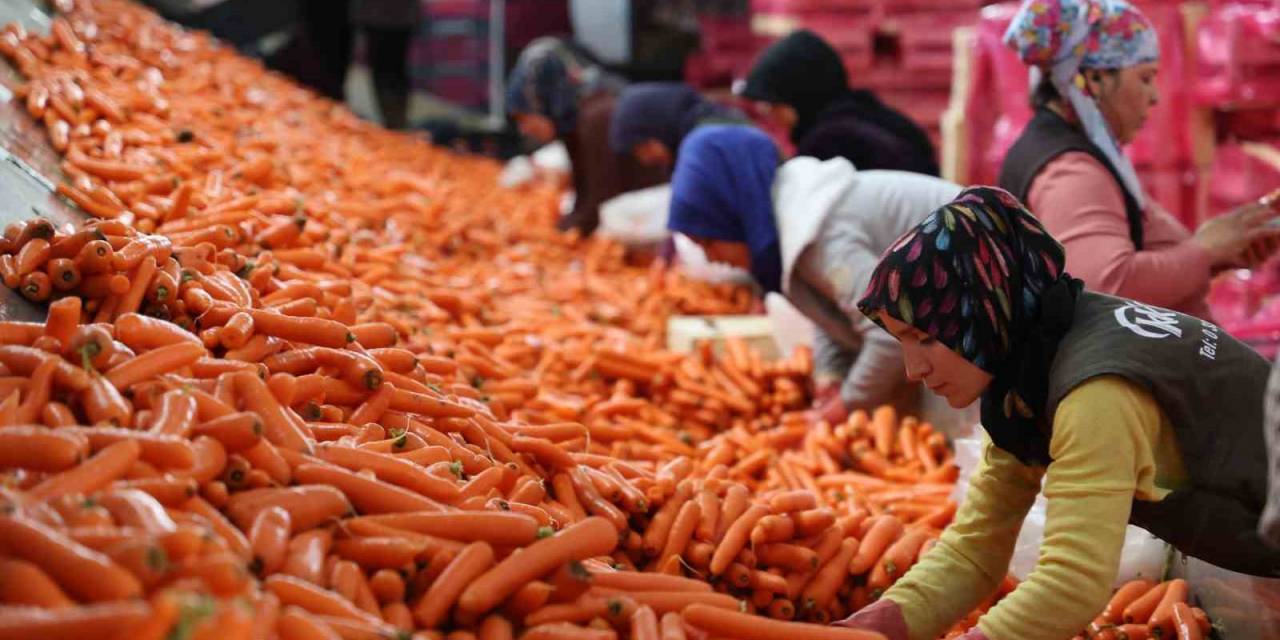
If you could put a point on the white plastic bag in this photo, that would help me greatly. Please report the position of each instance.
(693, 262)
(519, 170)
(637, 217)
(552, 158)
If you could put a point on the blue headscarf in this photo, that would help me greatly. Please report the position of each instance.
(662, 111)
(722, 189)
(551, 77)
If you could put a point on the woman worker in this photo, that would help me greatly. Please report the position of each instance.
(803, 82)
(558, 92)
(653, 118)
(1093, 69)
(812, 230)
(1128, 413)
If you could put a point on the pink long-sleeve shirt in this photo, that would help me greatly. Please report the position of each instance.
(1081, 204)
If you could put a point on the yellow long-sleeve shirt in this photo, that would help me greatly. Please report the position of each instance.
(1111, 444)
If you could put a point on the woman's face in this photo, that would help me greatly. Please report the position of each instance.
(535, 126)
(944, 371)
(652, 153)
(1125, 97)
(736, 254)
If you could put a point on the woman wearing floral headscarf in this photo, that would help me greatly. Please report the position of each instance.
(1093, 69)
(557, 91)
(1128, 414)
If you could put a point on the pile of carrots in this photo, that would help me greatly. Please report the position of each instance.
(305, 378)
(1142, 609)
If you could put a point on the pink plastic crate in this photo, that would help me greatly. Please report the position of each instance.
(932, 6)
(811, 6)
(1239, 56)
(846, 36)
(1239, 177)
(476, 9)
(1250, 124)
(725, 33)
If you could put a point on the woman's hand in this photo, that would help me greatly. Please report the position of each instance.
(884, 616)
(1227, 237)
(828, 406)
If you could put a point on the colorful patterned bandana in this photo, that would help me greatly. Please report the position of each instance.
(983, 277)
(1061, 37)
(550, 78)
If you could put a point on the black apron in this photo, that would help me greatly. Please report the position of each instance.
(1211, 388)
(1046, 137)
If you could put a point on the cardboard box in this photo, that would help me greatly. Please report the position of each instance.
(685, 332)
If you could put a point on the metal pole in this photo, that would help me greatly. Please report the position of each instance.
(497, 63)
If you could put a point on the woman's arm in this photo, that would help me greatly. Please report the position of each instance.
(1100, 447)
(1081, 204)
(973, 554)
(831, 361)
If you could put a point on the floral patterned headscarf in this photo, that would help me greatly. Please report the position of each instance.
(983, 277)
(1061, 37)
(551, 77)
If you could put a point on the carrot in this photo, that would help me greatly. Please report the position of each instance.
(379, 552)
(453, 585)
(368, 495)
(590, 537)
(1185, 623)
(138, 284)
(818, 594)
(135, 508)
(296, 623)
(681, 530)
(280, 426)
(496, 627)
(25, 583)
(1123, 597)
(1139, 611)
(107, 465)
(155, 362)
(734, 504)
(735, 538)
(566, 631)
(391, 470)
(1132, 632)
(672, 627)
(884, 530)
(235, 541)
(773, 528)
(162, 450)
(82, 572)
(897, 559)
(41, 449)
(317, 331)
(387, 587)
(269, 539)
(644, 624)
(101, 621)
(236, 431)
(141, 333)
(1161, 621)
(316, 600)
(793, 501)
(788, 556)
(305, 554)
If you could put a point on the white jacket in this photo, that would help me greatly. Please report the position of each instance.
(833, 225)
